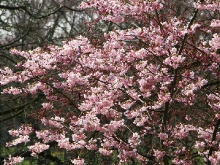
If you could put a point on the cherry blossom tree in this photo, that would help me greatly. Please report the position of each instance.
(147, 93)
(26, 25)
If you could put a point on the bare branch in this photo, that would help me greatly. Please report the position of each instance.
(24, 8)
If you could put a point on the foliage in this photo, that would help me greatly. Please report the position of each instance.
(146, 91)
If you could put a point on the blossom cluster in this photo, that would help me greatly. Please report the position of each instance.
(147, 93)
(13, 160)
(21, 134)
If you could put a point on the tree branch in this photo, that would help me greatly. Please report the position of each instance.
(24, 8)
(1, 46)
(21, 106)
(167, 104)
(211, 84)
(42, 154)
(213, 138)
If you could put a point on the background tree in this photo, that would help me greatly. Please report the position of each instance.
(26, 25)
(133, 95)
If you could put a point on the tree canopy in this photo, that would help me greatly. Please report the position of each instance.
(144, 89)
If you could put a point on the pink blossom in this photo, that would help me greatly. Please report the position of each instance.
(78, 136)
(205, 134)
(217, 116)
(174, 61)
(215, 42)
(182, 131)
(76, 78)
(201, 6)
(14, 132)
(188, 118)
(117, 19)
(215, 23)
(163, 136)
(140, 53)
(38, 148)
(78, 144)
(134, 141)
(215, 158)
(12, 90)
(195, 26)
(20, 139)
(201, 82)
(90, 122)
(105, 152)
(180, 162)
(165, 97)
(44, 134)
(23, 130)
(55, 122)
(147, 85)
(14, 51)
(92, 144)
(78, 161)
(130, 93)
(13, 160)
(64, 143)
(47, 106)
(115, 125)
(199, 145)
(159, 154)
